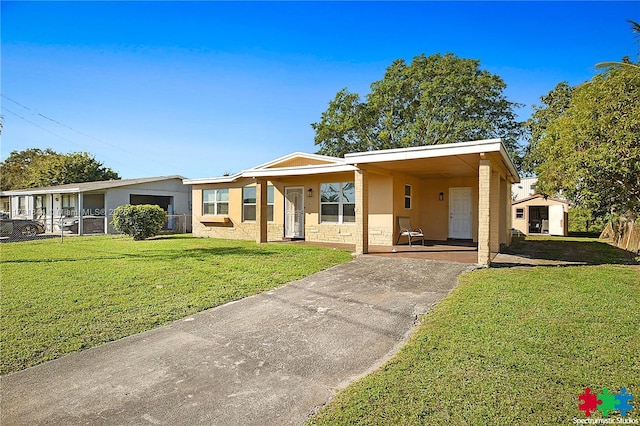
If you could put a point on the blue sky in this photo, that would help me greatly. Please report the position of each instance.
(203, 88)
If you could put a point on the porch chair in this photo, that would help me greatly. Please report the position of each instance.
(404, 224)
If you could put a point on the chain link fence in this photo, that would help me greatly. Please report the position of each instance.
(16, 230)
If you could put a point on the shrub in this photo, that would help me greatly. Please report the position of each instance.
(582, 220)
(140, 222)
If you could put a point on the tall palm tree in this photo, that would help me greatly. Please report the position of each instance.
(635, 27)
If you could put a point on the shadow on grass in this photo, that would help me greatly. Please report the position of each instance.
(163, 255)
(572, 251)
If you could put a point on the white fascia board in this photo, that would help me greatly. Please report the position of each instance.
(298, 171)
(18, 193)
(220, 179)
(509, 163)
(429, 151)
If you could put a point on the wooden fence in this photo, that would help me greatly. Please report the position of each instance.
(623, 234)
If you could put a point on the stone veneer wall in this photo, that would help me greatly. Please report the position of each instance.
(237, 231)
(346, 234)
(330, 233)
(381, 236)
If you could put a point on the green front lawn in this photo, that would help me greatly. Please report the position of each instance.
(511, 346)
(59, 297)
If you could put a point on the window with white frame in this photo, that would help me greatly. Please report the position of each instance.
(40, 206)
(22, 205)
(68, 204)
(338, 202)
(407, 197)
(519, 213)
(215, 202)
(249, 203)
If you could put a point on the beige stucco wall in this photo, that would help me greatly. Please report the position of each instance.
(434, 214)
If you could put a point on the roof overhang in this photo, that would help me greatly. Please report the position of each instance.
(37, 191)
(538, 196)
(263, 171)
(299, 171)
(462, 151)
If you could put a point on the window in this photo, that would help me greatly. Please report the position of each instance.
(40, 206)
(270, 203)
(519, 213)
(22, 205)
(249, 203)
(337, 202)
(215, 202)
(68, 204)
(407, 197)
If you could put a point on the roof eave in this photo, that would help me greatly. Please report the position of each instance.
(299, 171)
(220, 179)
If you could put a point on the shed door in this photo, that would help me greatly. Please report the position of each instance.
(460, 213)
(556, 220)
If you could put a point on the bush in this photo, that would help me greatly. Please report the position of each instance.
(140, 222)
(582, 220)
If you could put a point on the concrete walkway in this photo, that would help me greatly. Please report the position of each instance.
(270, 359)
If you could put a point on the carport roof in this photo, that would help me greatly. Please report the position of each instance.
(71, 188)
(434, 161)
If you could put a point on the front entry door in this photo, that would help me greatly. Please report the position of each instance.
(294, 212)
(460, 213)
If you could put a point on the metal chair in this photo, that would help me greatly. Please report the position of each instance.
(404, 224)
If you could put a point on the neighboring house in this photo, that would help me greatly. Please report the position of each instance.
(87, 208)
(540, 215)
(451, 191)
(525, 188)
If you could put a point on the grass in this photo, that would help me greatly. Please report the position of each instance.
(59, 297)
(570, 249)
(511, 346)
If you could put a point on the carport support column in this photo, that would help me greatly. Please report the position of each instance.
(362, 211)
(505, 194)
(261, 210)
(496, 207)
(484, 211)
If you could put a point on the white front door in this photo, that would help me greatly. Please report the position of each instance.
(460, 213)
(556, 220)
(294, 212)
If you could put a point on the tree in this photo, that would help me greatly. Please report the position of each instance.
(140, 221)
(635, 27)
(34, 167)
(554, 104)
(591, 151)
(434, 100)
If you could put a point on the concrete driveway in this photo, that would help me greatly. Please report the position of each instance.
(270, 359)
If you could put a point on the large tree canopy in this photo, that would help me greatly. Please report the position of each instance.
(434, 100)
(554, 104)
(590, 150)
(34, 167)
